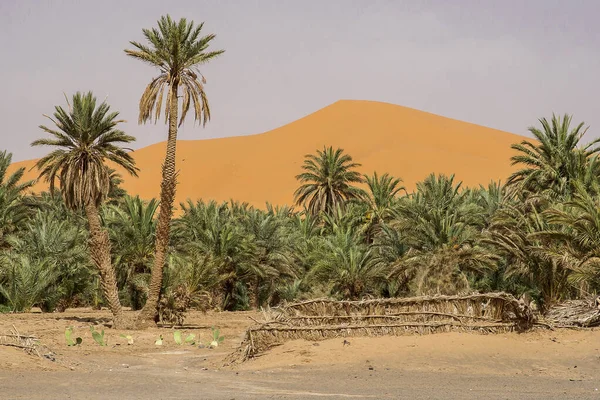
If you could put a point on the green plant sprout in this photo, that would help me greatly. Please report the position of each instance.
(129, 338)
(217, 337)
(98, 336)
(70, 341)
(190, 339)
(177, 337)
(159, 341)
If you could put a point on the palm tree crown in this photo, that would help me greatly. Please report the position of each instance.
(176, 49)
(85, 137)
(327, 181)
(556, 162)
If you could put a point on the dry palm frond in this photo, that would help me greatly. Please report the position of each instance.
(324, 319)
(30, 344)
(575, 313)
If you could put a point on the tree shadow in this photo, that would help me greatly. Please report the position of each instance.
(106, 321)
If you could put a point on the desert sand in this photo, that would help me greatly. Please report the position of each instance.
(407, 143)
(560, 364)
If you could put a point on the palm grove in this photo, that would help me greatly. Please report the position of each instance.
(87, 242)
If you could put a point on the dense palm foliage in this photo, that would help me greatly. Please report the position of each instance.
(553, 165)
(84, 139)
(357, 236)
(13, 210)
(177, 49)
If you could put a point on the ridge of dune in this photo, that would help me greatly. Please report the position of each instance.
(383, 137)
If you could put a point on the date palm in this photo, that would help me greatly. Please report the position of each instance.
(348, 266)
(327, 181)
(177, 49)
(13, 211)
(85, 138)
(579, 232)
(382, 194)
(551, 166)
(132, 228)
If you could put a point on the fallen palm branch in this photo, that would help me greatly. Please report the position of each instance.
(575, 314)
(14, 339)
(321, 319)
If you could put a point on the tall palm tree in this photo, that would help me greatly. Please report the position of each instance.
(85, 138)
(177, 49)
(327, 181)
(552, 165)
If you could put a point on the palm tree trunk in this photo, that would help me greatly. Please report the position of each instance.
(163, 228)
(100, 254)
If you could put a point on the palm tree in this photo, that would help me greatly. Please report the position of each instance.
(579, 235)
(381, 197)
(327, 181)
(132, 228)
(349, 266)
(85, 138)
(26, 280)
(177, 49)
(552, 165)
(439, 226)
(13, 211)
(523, 235)
(211, 231)
(60, 242)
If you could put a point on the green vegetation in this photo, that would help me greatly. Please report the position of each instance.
(88, 243)
(69, 339)
(370, 238)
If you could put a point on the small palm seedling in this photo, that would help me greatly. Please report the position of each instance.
(129, 338)
(159, 341)
(98, 336)
(69, 339)
(217, 337)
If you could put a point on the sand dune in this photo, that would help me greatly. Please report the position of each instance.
(382, 137)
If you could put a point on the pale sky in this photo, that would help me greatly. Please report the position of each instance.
(498, 63)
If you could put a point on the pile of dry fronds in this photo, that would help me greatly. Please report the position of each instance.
(324, 319)
(575, 314)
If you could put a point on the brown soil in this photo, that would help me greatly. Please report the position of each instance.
(548, 364)
(404, 142)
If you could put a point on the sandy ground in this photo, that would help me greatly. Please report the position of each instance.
(404, 142)
(543, 364)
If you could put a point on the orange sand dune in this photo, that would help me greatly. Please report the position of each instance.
(382, 137)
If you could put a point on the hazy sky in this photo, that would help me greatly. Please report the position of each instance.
(499, 63)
